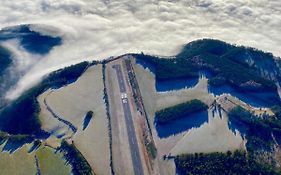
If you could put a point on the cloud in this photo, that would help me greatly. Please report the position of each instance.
(100, 28)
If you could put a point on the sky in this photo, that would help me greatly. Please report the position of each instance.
(97, 29)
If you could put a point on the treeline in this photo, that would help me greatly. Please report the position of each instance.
(5, 59)
(235, 74)
(226, 62)
(168, 68)
(221, 164)
(20, 138)
(79, 164)
(21, 116)
(259, 130)
(179, 111)
(107, 107)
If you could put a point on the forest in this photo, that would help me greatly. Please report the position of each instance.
(181, 110)
(5, 59)
(168, 68)
(79, 164)
(226, 62)
(236, 163)
(259, 130)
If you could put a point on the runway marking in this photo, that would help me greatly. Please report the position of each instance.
(135, 154)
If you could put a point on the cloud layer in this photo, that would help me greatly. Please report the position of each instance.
(101, 28)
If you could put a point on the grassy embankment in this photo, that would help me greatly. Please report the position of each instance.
(179, 111)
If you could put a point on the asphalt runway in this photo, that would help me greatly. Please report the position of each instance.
(135, 154)
(120, 78)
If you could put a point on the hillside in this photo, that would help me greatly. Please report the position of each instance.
(61, 111)
(243, 68)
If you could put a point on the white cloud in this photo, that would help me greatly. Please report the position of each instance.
(101, 28)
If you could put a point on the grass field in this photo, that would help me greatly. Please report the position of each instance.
(23, 163)
(72, 103)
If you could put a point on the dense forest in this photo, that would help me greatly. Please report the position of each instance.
(5, 59)
(21, 116)
(180, 110)
(237, 66)
(259, 130)
(168, 68)
(79, 164)
(229, 163)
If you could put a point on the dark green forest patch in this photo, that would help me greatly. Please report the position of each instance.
(179, 111)
(221, 164)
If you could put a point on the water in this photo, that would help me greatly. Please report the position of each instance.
(180, 125)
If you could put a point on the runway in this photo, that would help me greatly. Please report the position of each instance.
(134, 149)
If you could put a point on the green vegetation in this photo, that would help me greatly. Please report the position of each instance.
(21, 116)
(79, 164)
(3, 137)
(277, 111)
(151, 149)
(16, 138)
(19, 138)
(228, 64)
(235, 74)
(221, 164)
(169, 68)
(51, 162)
(259, 130)
(5, 58)
(180, 110)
